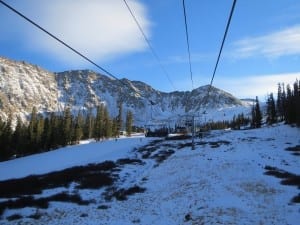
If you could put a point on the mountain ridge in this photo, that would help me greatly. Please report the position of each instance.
(23, 85)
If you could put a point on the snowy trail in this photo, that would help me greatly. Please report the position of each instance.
(221, 182)
(60, 159)
(225, 185)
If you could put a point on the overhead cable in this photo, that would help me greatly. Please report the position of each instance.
(149, 44)
(61, 41)
(223, 41)
(187, 42)
(221, 48)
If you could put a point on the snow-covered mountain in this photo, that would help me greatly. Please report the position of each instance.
(23, 86)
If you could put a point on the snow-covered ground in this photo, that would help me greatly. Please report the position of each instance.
(222, 181)
(59, 159)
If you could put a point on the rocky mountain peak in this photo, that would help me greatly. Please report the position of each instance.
(23, 86)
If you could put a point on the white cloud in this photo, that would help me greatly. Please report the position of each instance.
(100, 29)
(195, 58)
(257, 85)
(273, 45)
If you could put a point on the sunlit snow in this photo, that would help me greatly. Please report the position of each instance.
(222, 181)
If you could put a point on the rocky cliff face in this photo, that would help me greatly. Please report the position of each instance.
(23, 86)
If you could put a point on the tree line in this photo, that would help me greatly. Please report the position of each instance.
(286, 108)
(236, 123)
(45, 133)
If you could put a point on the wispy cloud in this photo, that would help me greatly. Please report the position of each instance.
(195, 57)
(273, 45)
(256, 85)
(100, 29)
(240, 86)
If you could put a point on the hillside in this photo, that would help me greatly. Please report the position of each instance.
(23, 86)
(232, 177)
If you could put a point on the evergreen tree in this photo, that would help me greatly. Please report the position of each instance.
(129, 121)
(46, 136)
(39, 133)
(119, 118)
(292, 104)
(98, 128)
(35, 133)
(234, 124)
(253, 116)
(6, 139)
(32, 132)
(88, 125)
(55, 131)
(67, 127)
(256, 115)
(283, 102)
(20, 138)
(32, 126)
(239, 121)
(115, 132)
(78, 129)
(271, 110)
(280, 103)
(107, 124)
(289, 112)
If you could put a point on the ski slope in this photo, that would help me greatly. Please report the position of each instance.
(88, 152)
(222, 181)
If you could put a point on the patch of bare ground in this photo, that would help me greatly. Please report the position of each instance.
(93, 176)
(123, 193)
(295, 150)
(287, 178)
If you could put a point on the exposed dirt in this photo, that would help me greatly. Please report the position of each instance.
(295, 150)
(287, 178)
(93, 176)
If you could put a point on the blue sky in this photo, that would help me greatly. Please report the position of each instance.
(262, 46)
